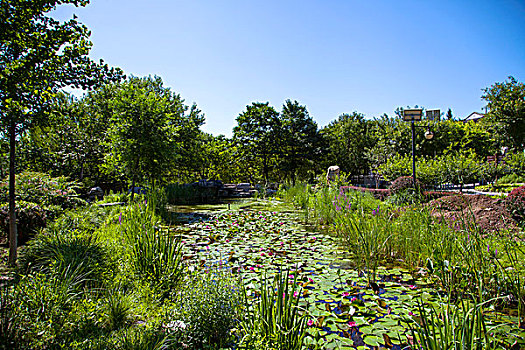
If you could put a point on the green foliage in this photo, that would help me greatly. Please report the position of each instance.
(139, 339)
(10, 333)
(347, 137)
(117, 308)
(405, 183)
(30, 218)
(506, 104)
(211, 304)
(277, 320)
(300, 142)
(58, 251)
(510, 179)
(405, 191)
(146, 129)
(257, 135)
(154, 256)
(44, 304)
(184, 194)
(453, 327)
(44, 190)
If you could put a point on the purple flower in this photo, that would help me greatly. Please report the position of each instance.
(120, 219)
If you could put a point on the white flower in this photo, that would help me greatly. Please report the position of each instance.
(175, 325)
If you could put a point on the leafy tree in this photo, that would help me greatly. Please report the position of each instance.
(300, 140)
(347, 137)
(38, 56)
(506, 104)
(148, 129)
(70, 144)
(449, 115)
(258, 135)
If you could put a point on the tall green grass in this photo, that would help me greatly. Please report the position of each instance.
(456, 327)
(153, 254)
(277, 320)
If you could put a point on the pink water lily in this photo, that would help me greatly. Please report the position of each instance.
(352, 324)
(310, 323)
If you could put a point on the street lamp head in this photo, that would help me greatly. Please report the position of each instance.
(429, 135)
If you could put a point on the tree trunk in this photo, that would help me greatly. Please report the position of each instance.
(12, 208)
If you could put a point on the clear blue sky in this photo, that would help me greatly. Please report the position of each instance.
(334, 56)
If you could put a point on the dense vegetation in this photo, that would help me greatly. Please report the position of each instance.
(125, 277)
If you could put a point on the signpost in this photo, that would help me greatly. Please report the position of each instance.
(412, 114)
(433, 114)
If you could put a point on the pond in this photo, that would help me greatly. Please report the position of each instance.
(259, 238)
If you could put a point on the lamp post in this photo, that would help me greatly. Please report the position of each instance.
(414, 115)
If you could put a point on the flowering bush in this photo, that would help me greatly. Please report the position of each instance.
(29, 218)
(51, 193)
(515, 203)
(404, 183)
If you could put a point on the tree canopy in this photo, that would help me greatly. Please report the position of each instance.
(506, 105)
(38, 56)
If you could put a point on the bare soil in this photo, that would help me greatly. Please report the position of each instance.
(488, 213)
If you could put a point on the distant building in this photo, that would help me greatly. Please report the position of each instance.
(474, 116)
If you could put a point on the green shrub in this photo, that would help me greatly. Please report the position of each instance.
(44, 302)
(59, 251)
(9, 319)
(211, 305)
(154, 256)
(510, 179)
(29, 218)
(404, 191)
(404, 183)
(43, 190)
(116, 309)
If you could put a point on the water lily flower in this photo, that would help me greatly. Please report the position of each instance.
(310, 323)
(353, 299)
(295, 294)
(412, 286)
(345, 294)
(352, 324)
(310, 280)
(227, 240)
(252, 268)
(410, 313)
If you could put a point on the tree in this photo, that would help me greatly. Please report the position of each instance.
(149, 130)
(300, 140)
(348, 137)
(38, 57)
(506, 105)
(449, 115)
(258, 135)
